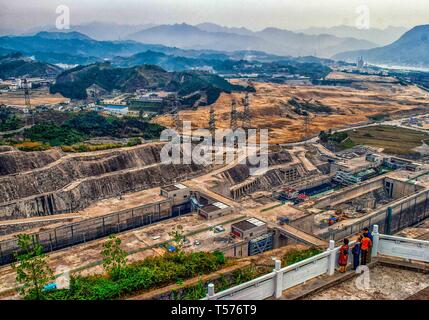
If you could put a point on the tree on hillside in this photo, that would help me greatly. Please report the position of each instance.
(114, 258)
(32, 270)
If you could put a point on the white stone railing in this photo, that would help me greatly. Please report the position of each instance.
(273, 284)
(409, 249)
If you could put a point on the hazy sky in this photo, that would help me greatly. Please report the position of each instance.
(254, 14)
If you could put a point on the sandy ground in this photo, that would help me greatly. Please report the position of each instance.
(270, 107)
(37, 97)
(385, 284)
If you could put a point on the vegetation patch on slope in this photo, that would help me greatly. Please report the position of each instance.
(75, 82)
(393, 140)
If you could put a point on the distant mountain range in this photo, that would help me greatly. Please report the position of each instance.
(312, 67)
(102, 31)
(272, 40)
(71, 47)
(77, 48)
(17, 65)
(184, 46)
(379, 36)
(409, 50)
(320, 42)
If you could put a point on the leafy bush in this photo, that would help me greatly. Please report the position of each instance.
(9, 120)
(32, 146)
(134, 142)
(143, 275)
(299, 255)
(93, 124)
(84, 147)
(52, 134)
(237, 277)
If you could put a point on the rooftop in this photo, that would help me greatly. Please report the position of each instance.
(248, 224)
(174, 187)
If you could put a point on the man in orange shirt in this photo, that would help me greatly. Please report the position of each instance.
(366, 243)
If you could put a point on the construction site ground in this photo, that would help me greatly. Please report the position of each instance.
(38, 97)
(270, 107)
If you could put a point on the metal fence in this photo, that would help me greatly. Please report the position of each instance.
(95, 228)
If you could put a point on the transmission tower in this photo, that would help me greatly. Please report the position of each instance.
(246, 113)
(175, 114)
(26, 87)
(212, 120)
(27, 93)
(234, 115)
(307, 124)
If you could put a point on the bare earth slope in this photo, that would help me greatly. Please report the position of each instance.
(56, 183)
(271, 108)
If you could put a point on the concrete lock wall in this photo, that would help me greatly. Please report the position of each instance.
(273, 284)
(350, 193)
(391, 218)
(305, 223)
(91, 229)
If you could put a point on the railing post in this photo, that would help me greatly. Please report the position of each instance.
(332, 258)
(375, 241)
(278, 279)
(210, 290)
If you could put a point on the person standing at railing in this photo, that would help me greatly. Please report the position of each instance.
(369, 234)
(366, 243)
(344, 256)
(356, 253)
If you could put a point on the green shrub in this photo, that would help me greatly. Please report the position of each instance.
(30, 146)
(52, 134)
(143, 275)
(299, 255)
